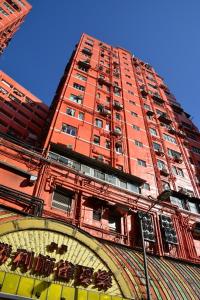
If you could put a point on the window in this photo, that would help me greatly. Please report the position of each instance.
(15, 99)
(99, 123)
(81, 116)
(132, 102)
(98, 174)
(96, 139)
(70, 112)
(136, 127)
(128, 83)
(83, 68)
(141, 162)
(128, 76)
(62, 199)
(107, 88)
(130, 92)
(114, 222)
(7, 83)
(97, 214)
(3, 12)
(81, 77)
(138, 143)
(11, 10)
(75, 98)
(107, 144)
(177, 201)
(89, 44)
(98, 96)
(169, 138)
(193, 207)
(78, 87)
(123, 184)
(117, 92)
(146, 186)
(159, 112)
(152, 86)
(173, 153)
(3, 91)
(196, 150)
(161, 164)
(157, 147)
(107, 127)
(147, 107)
(118, 116)
(69, 129)
(165, 186)
(153, 131)
(177, 171)
(118, 148)
(134, 114)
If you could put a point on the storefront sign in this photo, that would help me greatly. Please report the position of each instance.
(63, 270)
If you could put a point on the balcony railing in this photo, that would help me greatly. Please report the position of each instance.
(29, 204)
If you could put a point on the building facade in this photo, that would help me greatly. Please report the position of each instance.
(12, 14)
(116, 139)
(23, 115)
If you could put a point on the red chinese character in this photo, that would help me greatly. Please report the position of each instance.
(23, 259)
(44, 265)
(103, 280)
(5, 251)
(64, 271)
(83, 276)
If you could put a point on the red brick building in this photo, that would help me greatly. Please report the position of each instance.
(12, 14)
(23, 115)
(116, 139)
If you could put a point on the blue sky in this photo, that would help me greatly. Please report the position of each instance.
(165, 34)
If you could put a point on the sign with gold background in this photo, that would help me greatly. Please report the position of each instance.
(19, 275)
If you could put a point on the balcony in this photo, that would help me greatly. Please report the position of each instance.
(177, 158)
(158, 99)
(163, 86)
(117, 105)
(103, 111)
(159, 152)
(117, 132)
(84, 63)
(87, 51)
(164, 172)
(165, 119)
(14, 5)
(181, 133)
(150, 113)
(102, 80)
(143, 92)
(172, 130)
(27, 204)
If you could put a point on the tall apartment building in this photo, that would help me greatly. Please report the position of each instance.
(116, 139)
(12, 14)
(22, 115)
(117, 111)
